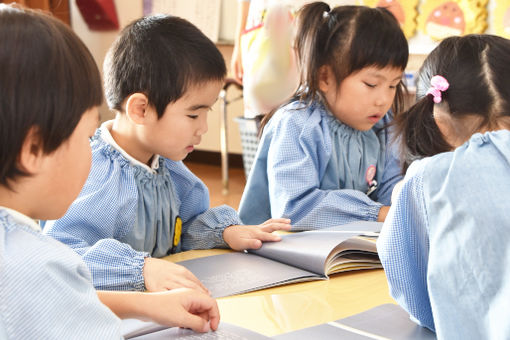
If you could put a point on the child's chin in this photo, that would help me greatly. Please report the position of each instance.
(363, 127)
(178, 158)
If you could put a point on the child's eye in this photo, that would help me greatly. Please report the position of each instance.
(193, 116)
(369, 85)
(394, 86)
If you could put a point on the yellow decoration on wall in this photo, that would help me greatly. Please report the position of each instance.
(440, 19)
(403, 10)
(501, 18)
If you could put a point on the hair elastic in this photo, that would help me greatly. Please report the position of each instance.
(439, 84)
(325, 14)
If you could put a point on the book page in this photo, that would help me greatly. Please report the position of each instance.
(386, 321)
(236, 273)
(131, 328)
(225, 331)
(314, 250)
(308, 250)
(297, 257)
(389, 321)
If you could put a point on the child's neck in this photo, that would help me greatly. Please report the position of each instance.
(125, 134)
(15, 198)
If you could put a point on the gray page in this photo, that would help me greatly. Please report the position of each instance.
(307, 250)
(389, 321)
(324, 331)
(386, 321)
(225, 332)
(235, 273)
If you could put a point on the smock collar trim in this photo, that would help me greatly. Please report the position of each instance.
(22, 219)
(107, 137)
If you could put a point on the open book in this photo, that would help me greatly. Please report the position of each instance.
(141, 330)
(303, 256)
(383, 322)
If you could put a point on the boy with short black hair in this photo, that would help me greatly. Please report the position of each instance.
(140, 202)
(46, 120)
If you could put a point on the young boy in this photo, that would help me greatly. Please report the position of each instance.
(46, 120)
(140, 202)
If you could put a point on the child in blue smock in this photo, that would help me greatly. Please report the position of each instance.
(140, 202)
(46, 121)
(444, 244)
(325, 158)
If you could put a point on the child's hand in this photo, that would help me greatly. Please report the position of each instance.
(182, 307)
(382, 213)
(160, 275)
(241, 237)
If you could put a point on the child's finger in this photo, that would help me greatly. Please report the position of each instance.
(196, 323)
(191, 277)
(251, 243)
(267, 237)
(269, 228)
(206, 308)
(186, 284)
(277, 220)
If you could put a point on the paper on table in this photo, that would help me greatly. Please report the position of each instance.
(383, 322)
(152, 331)
(305, 256)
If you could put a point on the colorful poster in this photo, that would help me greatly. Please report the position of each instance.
(403, 10)
(440, 19)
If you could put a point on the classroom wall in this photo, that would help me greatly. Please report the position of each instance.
(127, 10)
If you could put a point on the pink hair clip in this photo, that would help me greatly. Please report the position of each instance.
(439, 84)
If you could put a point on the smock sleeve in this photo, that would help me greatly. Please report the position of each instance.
(403, 247)
(392, 170)
(96, 222)
(296, 162)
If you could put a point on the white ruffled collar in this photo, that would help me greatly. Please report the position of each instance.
(107, 137)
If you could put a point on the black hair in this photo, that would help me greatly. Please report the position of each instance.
(348, 39)
(160, 56)
(477, 69)
(48, 79)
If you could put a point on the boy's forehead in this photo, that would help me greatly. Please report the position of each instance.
(201, 89)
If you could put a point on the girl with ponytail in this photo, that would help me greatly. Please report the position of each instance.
(444, 244)
(324, 158)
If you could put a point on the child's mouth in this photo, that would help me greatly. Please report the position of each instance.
(374, 118)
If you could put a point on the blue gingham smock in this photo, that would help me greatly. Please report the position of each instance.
(445, 245)
(46, 289)
(127, 211)
(311, 168)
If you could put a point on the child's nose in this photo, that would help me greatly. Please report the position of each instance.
(203, 127)
(385, 98)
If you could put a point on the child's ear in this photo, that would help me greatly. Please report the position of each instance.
(136, 107)
(326, 79)
(31, 154)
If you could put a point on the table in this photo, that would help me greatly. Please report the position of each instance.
(291, 307)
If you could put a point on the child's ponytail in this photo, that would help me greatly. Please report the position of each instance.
(477, 98)
(343, 39)
(311, 38)
(420, 136)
